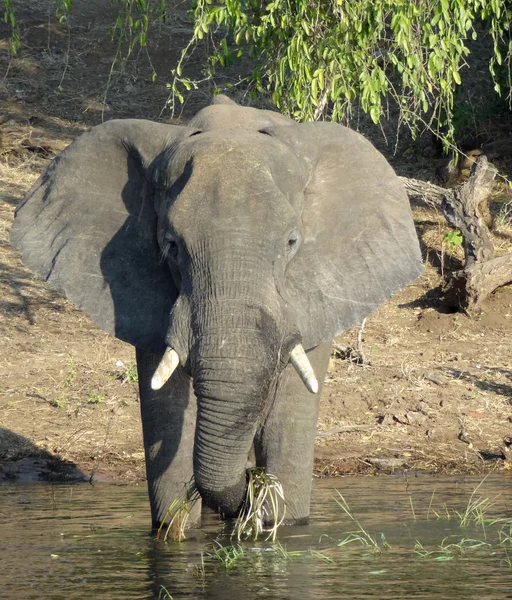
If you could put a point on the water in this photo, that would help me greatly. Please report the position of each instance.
(81, 541)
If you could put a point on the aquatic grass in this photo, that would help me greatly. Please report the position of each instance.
(474, 512)
(228, 556)
(361, 535)
(430, 503)
(464, 545)
(476, 509)
(320, 555)
(365, 539)
(177, 515)
(264, 502)
(281, 551)
(448, 551)
(505, 531)
(412, 508)
(420, 550)
(443, 514)
(508, 558)
(236, 555)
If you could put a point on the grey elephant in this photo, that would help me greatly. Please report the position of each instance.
(229, 252)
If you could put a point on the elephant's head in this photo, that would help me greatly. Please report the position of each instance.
(232, 243)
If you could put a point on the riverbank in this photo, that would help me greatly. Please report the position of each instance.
(434, 391)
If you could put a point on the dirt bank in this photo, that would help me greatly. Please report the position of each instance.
(434, 391)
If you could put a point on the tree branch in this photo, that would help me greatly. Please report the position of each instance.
(465, 208)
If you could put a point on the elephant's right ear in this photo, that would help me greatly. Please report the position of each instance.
(88, 228)
(359, 243)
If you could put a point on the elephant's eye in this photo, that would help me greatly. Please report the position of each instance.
(170, 249)
(293, 241)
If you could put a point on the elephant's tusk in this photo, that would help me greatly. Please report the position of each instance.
(300, 361)
(166, 367)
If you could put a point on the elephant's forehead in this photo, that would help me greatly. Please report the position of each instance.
(231, 116)
(249, 153)
(235, 182)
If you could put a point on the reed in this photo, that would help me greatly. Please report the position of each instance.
(264, 503)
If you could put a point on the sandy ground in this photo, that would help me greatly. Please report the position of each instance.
(434, 391)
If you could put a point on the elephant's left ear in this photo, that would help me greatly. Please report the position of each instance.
(359, 244)
(89, 228)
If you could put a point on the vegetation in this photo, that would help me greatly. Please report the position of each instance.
(360, 536)
(448, 551)
(130, 29)
(95, 398)
(264, 502)
(320, 59)
(227, 556)
(496, 542)
(175, 522)
(128, 374)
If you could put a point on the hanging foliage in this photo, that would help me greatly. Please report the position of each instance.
(319, 57)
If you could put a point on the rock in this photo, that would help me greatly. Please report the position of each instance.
(435, 378)
(387, 463)
(415, 418)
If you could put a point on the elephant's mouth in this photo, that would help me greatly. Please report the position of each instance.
(298, 358)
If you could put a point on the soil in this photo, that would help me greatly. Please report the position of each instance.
(434, 390)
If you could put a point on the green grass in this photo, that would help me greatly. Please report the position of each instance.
(71, 374)
(164, 594)
(59, 402)
(472, 534)
(361, 535)
(175, 522)
(129, 374)
(264, 503)
(227, 556)
(231, 555)
(448, 551)
(474, 512)
(95, 398)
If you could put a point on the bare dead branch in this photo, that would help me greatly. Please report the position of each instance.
(465, 208)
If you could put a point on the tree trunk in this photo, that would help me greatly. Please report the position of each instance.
(466, 208)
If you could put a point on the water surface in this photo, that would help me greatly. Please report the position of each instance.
(82, 541)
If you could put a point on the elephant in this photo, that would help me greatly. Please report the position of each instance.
(230, 252)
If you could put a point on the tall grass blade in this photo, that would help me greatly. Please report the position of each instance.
(264, 503)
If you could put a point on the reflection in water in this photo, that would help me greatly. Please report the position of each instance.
(93, 542)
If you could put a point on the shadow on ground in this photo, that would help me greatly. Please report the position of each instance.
(23, 461)
(484, 384)
(22, 294)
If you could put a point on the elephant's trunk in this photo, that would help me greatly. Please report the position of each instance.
(236, 327)
(232, 383)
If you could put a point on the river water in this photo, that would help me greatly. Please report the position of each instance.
(402, 538)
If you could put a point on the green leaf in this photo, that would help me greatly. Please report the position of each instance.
(454, 238)
(321, 80)
(314, 87)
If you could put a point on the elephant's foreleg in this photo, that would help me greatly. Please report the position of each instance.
(168, 424)
(285, 444)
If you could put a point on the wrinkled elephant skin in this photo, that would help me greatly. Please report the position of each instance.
(229, 252)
